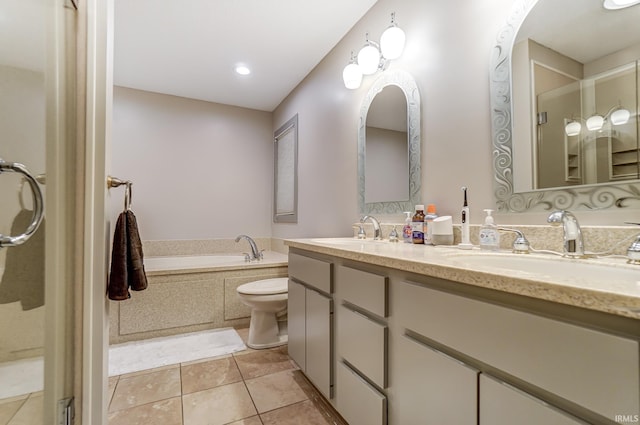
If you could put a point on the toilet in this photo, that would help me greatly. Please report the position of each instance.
(266, 298)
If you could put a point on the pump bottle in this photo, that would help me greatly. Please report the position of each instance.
(489, 234)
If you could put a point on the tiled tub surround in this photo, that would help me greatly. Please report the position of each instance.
(192, 287)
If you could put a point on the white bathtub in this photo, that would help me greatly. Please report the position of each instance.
(199, 263)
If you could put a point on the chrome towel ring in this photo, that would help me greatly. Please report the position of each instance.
(38, 204)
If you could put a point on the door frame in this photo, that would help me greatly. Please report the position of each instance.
(97, 133)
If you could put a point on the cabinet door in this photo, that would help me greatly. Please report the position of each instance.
(431, 387)
(358, 402)
(296, 304)
(319, 341)
(501, 404)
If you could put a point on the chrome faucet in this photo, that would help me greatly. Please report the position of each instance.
(255, 253)
(573, 244)
(377, 234)
(520, 244)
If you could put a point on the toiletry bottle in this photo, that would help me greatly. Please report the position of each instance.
(489, 234)
(428, 220)
(417, 225)
(406, 230)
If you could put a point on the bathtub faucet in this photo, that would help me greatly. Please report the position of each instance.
(255, 253)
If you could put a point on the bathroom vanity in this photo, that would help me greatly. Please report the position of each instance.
(402, 334)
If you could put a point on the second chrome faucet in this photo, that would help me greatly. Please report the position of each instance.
(572, 234)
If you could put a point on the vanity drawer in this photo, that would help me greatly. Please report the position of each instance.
(357, 401)
(363, 344)
(593, 369)
(364, 289)
(313, 272)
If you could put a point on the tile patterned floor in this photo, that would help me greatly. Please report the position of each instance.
(252, 387)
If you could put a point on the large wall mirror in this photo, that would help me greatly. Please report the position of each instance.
(389, 177)
(564, 93)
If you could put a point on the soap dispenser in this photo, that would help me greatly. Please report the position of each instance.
(489, 234)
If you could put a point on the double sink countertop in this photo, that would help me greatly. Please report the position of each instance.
(607, 284)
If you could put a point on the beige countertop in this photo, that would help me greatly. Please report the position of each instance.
(604, 284)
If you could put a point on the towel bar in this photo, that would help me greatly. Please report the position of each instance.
(128, 194)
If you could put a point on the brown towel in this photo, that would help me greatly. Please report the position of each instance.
(127, 260)
(23, 277)
(135, 259)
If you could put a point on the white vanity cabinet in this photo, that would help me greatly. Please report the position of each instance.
(361, 347)
(310, 319)
(411, 348)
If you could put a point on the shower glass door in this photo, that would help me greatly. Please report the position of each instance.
(27, 29)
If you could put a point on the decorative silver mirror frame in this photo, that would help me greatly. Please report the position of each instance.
(407, 84)
(285, 181)
(593, 197)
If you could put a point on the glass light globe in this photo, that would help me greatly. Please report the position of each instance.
(621, 116)
(352, 76)
(392, 42)
(595, 123)
(368, 59)
(573, 128)
(619, 4)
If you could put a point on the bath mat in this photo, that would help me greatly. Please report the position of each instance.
(151, 353)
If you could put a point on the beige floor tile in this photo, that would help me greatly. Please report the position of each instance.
(9, 407)
(164, 412)
(254, 420)
(263, 362)
(30, 413)
(218, 406)
(276, 390)
(303, 413)
(152, 370)
(113, 382)
(210, 374)
(147, 388)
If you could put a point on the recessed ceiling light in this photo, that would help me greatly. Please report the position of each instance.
(619, 4)
(243, 70)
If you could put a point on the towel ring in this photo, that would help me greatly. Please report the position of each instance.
(38, 204)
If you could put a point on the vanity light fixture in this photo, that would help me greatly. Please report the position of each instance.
(373, 56)
(616, 115)
(619, 4)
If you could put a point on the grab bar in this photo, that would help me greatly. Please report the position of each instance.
(38, 207)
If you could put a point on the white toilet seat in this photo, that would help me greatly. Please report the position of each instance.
(265, 287)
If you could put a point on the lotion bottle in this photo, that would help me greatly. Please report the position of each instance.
(489, 234)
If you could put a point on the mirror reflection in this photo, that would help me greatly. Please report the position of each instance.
(575, 91)
(601, 44)
(387, 153)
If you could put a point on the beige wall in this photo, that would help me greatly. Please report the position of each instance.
(448, 50)
(200, 170)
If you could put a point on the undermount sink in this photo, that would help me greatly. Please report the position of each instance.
(554, 267)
